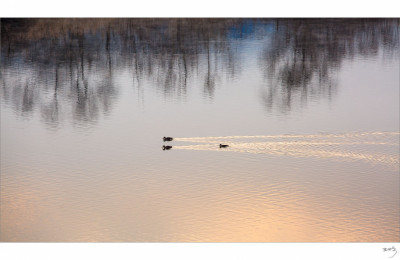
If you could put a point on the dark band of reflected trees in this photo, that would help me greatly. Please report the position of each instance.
(76, 59)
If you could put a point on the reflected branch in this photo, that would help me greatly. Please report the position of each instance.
(303, 56)
(82, 57)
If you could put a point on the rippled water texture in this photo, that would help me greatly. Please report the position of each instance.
(380, 148)
(309, 109)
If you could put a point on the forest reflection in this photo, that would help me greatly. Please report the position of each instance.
(304, 54)
(58, 66)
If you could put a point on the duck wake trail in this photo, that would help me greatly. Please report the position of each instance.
(375, 147)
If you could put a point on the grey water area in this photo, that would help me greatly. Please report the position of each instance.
(309, 109)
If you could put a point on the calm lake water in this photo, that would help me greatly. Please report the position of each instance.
(308, 107)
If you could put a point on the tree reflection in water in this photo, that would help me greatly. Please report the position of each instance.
(61, 66)
(304, 54)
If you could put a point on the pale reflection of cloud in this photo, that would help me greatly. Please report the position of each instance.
(347, 146)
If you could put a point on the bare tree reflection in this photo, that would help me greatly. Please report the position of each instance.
(64, 67)
(209, 81)
(303, 55)
(57, 72)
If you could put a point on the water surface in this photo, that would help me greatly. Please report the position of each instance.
(308, 107)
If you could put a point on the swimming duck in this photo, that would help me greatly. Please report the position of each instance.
(223, 145)
(166, 147)
(167, 139)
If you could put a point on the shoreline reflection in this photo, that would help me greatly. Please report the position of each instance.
(70, 66)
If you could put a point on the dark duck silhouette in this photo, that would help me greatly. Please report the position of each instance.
(167, 139)
(223, 145)
(166, 147)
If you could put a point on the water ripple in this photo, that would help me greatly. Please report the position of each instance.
(375, 147)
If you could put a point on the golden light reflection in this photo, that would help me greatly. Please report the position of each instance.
(215, 207)
(38, 211)
(265, 220)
